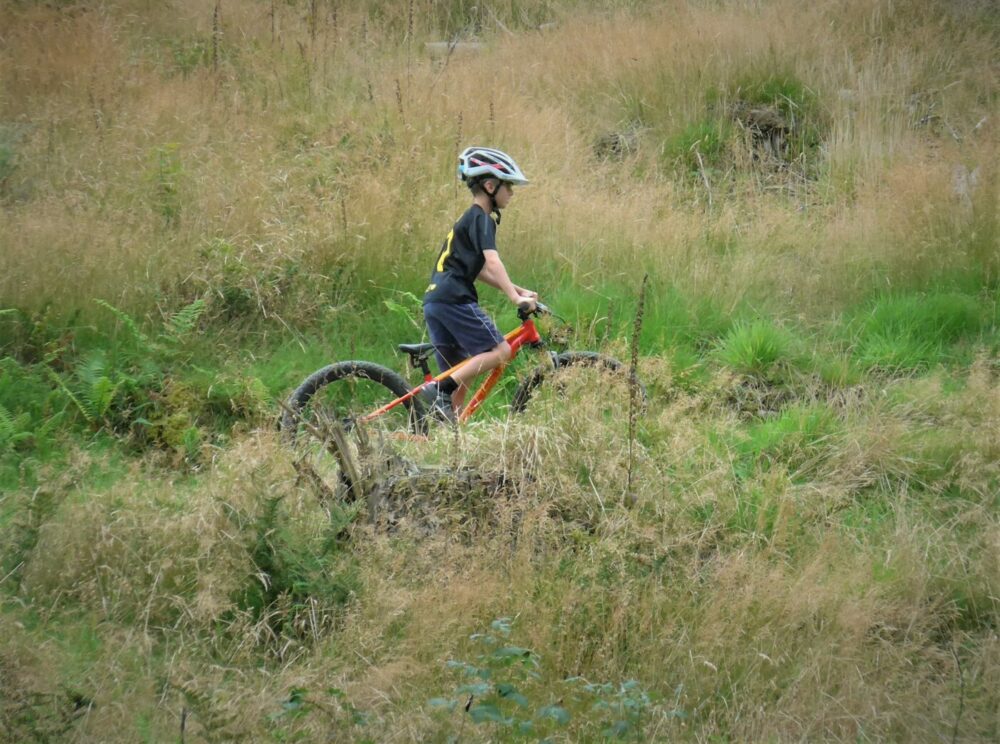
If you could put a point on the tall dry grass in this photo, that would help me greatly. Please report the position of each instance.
(329, 146)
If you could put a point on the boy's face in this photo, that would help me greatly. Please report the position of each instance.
(503, 194)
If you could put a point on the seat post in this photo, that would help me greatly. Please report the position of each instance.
(419, 354)
(424, 366)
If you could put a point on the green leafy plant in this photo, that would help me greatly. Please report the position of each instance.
(187, 55)
(503, 687)
(183, 322)
(114, 385)
(96, 390)
(302, 703)
(700, 145)
(30, 412)
(621, 709)
(14, 429)
(497, 685)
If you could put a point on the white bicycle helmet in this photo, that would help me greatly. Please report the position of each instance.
(477, 162)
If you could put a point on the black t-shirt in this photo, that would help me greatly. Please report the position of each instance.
(461, 259)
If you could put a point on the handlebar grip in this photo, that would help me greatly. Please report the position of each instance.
(524, 313)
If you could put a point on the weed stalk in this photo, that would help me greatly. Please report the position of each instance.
(216, 35)
(634, 389)
(409, 44)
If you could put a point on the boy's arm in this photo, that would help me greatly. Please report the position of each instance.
(494, 273)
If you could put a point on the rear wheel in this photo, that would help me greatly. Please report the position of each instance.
(333, 400)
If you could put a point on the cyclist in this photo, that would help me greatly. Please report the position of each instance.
(458, 327)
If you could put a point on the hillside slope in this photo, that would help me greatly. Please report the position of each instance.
(798, 538)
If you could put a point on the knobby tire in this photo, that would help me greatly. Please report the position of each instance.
(545, 374)
(305, 395)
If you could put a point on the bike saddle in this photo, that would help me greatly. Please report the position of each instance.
(419, 354)
(417, 349)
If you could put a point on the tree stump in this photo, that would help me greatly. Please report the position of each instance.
(395, 489)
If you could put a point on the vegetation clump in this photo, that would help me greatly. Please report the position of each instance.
(772, 121)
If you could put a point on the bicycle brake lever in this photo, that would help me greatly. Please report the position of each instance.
(546, 310)
(540, 309)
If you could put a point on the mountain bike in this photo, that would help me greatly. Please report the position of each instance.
(352, 395)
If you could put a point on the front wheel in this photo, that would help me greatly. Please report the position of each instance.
(581, 378)
(336, 397)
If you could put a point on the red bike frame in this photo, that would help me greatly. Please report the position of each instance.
(526, 333)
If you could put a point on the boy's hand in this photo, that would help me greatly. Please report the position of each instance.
(527, 302)
(526, 292)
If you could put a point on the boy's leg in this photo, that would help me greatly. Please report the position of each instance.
(468, 327)
(480, 363)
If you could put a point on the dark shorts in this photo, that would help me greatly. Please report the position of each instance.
(459, 332)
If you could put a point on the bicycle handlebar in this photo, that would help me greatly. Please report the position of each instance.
(523, 313)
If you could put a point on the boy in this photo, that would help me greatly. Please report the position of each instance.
(458, 327)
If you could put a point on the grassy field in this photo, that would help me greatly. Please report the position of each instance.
(798, 539)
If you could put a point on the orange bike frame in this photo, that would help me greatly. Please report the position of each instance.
(526, 333)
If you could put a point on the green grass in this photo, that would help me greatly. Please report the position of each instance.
(758, 348)
(916, 331)
(798, 438)
(700, 145)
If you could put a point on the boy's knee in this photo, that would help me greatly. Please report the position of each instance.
(503, 349)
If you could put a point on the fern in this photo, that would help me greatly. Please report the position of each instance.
(184, 321)
(93, 367)
(127, 320)
(109, 386)
(50, 424)
(13, 429)
(84, 410)
(96, 392)
(99, 385)
(101, 395)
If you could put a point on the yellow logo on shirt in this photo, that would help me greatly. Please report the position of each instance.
(446, 251)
